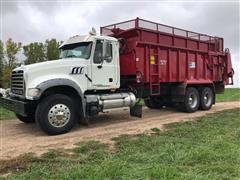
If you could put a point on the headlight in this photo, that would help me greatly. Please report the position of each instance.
(33, 92)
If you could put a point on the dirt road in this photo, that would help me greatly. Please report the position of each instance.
(18, 138)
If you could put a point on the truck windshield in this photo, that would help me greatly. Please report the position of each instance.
(77, 50)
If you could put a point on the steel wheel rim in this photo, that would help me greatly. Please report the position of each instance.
(59, 115)
(207, 99)
(192, 100)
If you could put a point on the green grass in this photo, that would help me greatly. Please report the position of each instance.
(5, 114)
(208, 148)
(230, 94)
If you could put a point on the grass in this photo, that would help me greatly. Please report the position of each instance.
(230, 94)
(208, 148)
(5, 114)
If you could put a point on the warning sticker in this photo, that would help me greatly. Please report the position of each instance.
(152, 59)
(192, 64)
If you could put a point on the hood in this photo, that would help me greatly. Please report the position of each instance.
(38, 65)
(48, 64)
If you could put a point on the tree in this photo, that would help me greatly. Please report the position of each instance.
(6, 76)
(1, 61)
(52, 51)
(12, 48)
(34, 52)
(1, 55)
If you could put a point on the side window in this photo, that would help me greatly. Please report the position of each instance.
(109, 52)
(97, 59)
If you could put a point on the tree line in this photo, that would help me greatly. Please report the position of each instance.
(34, 52)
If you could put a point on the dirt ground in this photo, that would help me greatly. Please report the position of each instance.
(17, 138)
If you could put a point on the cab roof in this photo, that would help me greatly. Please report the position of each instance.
(86, 38)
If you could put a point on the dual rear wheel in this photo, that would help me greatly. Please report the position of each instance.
(197, 99)
(207, 98)
(194, 99)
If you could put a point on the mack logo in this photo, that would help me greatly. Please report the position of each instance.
(77, 70)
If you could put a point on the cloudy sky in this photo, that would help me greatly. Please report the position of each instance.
(29, 21)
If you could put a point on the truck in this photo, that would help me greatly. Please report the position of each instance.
(128, 63)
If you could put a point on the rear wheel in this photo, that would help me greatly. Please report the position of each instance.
(153, 103)
(56, 114)
(206, 99)
(26, 119)
(191, 100)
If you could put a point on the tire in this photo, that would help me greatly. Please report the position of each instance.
(56, 114)
(206, 99)
(153, 103)
(26, 119)
(191, 100)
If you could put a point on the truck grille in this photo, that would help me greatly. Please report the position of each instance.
(17, 82)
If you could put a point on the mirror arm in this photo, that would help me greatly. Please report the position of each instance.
(101, 65)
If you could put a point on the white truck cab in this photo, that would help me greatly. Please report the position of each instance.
(82, 61)
(82, 83)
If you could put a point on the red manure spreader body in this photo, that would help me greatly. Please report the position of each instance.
(168, 60)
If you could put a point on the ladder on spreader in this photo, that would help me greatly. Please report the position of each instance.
(154, 73)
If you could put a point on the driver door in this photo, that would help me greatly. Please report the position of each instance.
(103, 70)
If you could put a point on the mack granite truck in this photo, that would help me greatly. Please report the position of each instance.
(128, 63)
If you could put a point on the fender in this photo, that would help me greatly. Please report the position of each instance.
(63, 82)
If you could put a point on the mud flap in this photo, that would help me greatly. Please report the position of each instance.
(136, 111)
(84, 121)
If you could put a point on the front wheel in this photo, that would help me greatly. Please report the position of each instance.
(56, 114)
(191, 100)
(206, 99)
